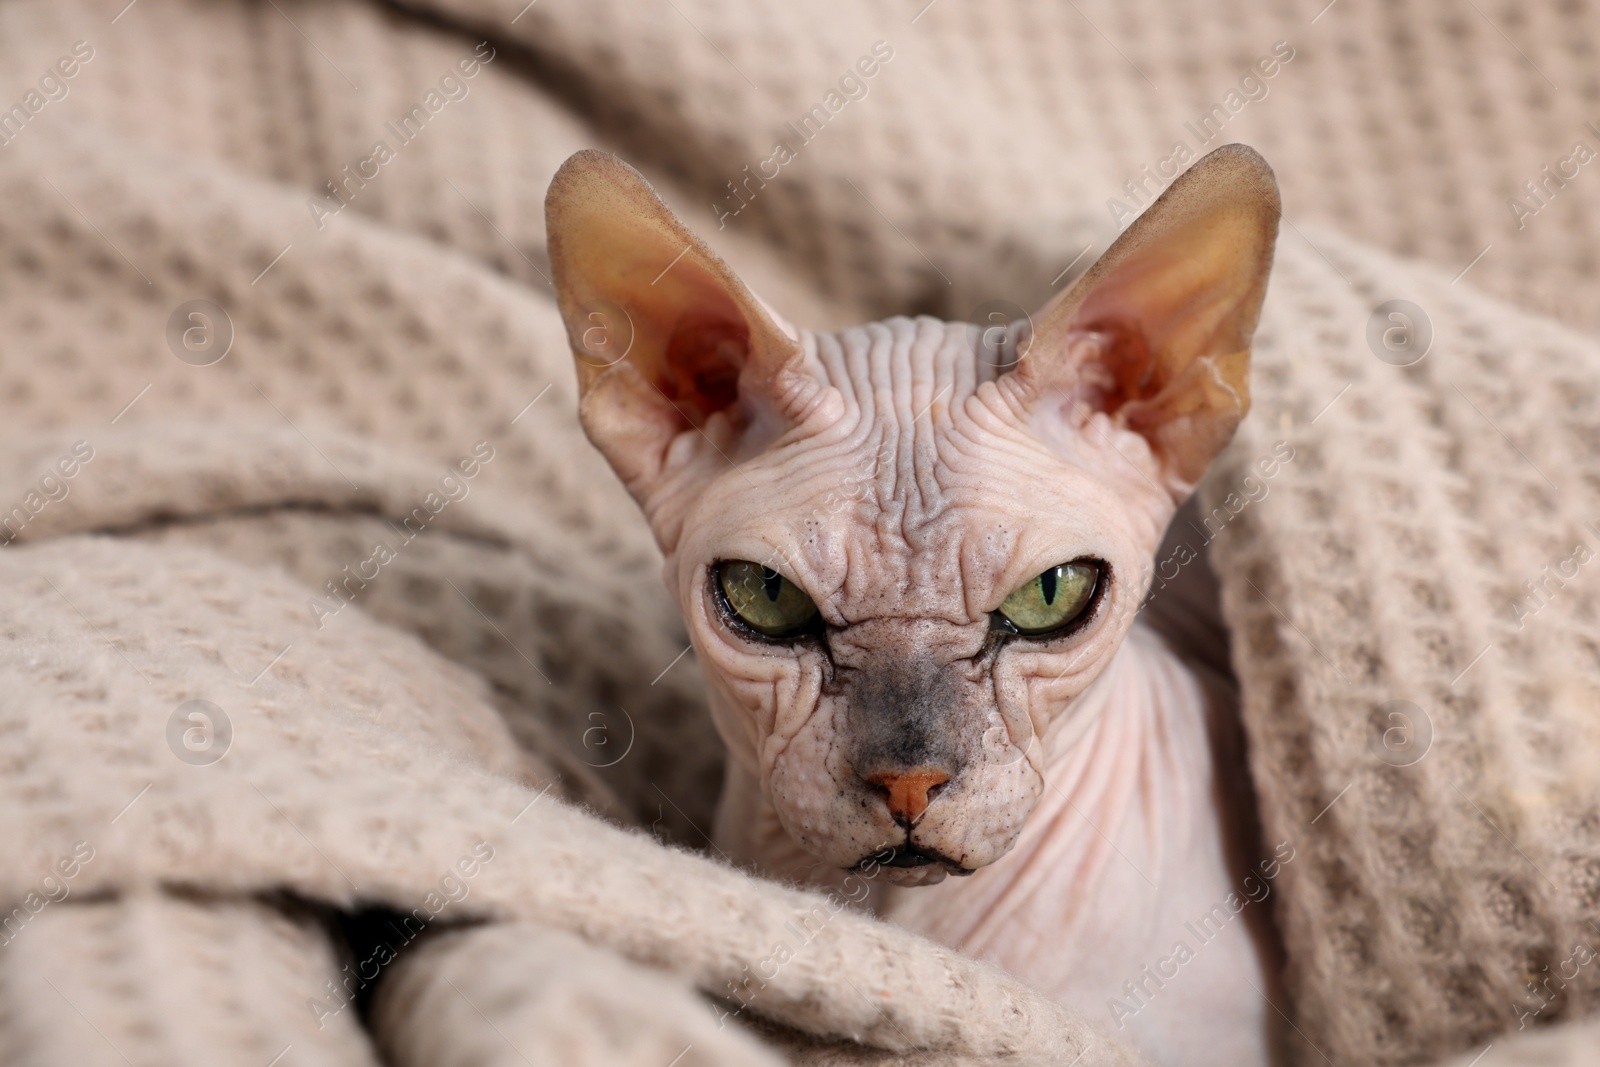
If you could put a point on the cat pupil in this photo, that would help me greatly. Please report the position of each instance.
(1047, 585)
(771, 584)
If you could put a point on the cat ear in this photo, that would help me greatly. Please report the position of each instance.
(1157, 333)
(665, 336)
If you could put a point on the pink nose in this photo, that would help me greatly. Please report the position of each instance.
(908, 791)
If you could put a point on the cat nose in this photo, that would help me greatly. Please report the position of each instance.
(908, 791)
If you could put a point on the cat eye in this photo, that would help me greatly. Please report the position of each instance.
(765, 600)
(1050, 602)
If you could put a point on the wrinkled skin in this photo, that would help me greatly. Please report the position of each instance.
(908, 476)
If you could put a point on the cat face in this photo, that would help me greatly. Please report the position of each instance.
(904, 549)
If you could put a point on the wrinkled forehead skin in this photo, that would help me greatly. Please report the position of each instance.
(915, 495)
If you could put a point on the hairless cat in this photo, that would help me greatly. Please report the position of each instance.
(911, 555)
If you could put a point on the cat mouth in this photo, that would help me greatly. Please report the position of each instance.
(909, 855)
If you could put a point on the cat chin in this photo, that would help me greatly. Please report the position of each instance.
(932, 874)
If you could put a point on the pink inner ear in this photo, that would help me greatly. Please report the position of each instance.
(699, 370)
(1122, 368)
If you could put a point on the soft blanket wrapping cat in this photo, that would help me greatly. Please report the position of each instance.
(1438, 899)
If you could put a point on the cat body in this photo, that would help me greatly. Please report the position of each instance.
(911, 556)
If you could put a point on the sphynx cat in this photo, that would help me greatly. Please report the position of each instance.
(910, 556)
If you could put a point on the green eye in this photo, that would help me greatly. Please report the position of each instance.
(765, 600)
(1052, 600)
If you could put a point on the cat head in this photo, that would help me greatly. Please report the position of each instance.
(904, 549)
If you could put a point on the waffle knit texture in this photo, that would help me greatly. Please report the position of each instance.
(509, 675)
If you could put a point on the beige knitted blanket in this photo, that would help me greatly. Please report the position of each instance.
(320, 621)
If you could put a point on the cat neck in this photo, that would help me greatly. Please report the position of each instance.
(1143, 839)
